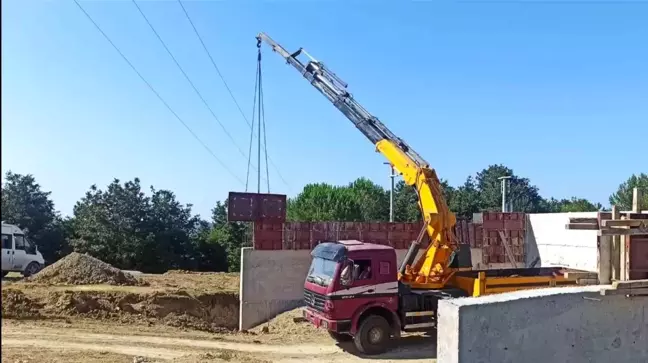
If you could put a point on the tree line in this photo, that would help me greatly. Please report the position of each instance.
(153, 232)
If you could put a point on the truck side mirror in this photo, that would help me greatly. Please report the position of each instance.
(346, 276)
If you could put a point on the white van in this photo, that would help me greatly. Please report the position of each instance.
(18, 253)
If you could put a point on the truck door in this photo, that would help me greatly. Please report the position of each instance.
(20, 257)
(7, 252)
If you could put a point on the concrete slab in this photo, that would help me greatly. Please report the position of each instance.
(548, 240)
(571, 324)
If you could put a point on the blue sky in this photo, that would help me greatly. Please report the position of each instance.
(549, 88)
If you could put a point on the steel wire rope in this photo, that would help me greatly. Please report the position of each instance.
(213, 62)
(166, 104)
(186, 76)
(256, 85)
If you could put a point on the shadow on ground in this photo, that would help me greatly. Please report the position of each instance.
(407, 347)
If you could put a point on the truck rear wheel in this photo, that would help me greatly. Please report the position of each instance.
(340, 337)
(373, 336)
(31, 269)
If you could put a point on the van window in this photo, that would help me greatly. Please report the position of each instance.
(20, 242)
(6, 241)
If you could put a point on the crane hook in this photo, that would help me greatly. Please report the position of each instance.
(258, 42)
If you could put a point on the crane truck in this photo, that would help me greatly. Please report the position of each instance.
(354, 289)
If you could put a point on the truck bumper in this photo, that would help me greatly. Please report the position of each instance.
(319, 321)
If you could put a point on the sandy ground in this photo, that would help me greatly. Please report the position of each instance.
(70, 336)
(87, 341)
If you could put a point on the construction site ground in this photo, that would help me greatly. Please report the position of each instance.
(172, 317)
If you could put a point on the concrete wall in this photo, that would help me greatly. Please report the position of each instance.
(547, 238)
(272, 282)
(571, 324)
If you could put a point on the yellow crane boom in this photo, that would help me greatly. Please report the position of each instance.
(432, 270)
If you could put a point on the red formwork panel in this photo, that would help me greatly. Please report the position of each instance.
(502, 221)
(255, 207)
(493, 247)
(637, 247)
(638, 262)
(268, 235)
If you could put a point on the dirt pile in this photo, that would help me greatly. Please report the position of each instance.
(288, 324)
(210, 312)
(16, 305)
(82, 269)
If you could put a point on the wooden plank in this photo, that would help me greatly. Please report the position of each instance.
(587, 281)
(584, 220)
(623, 223)
(604, 260)
(507, 247)
(629, 292)
(616, 248)
(582, 226)
(580, 275)
(624, 258)
(627, 215)
(623, 231)
(637, 195)
(630, 284)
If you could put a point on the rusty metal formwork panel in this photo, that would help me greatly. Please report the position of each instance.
(303, 235)
(638, 253)
(503, 221)
(512, 225)
(268, 235)
(253, 207)
(306, 235)
(638, 257)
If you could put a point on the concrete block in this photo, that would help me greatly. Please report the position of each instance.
(272, 282)
(571, 324)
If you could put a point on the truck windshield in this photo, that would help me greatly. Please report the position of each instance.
(321, 271)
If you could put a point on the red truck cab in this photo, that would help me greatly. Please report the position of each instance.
(352, 291)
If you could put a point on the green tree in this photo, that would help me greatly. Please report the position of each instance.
(406, 203)
(466, 200)
(230, 236)
(324, 202)
(622, 198)
(523, 196)
(372, 200)
(130, 230)
(26, 205)
(571, 205)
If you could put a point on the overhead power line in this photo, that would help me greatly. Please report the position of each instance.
(213, 62)
(166, 104)
(193, 86)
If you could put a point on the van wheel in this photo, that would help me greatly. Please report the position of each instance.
(339, 337)
(31, 269)
(373, 336)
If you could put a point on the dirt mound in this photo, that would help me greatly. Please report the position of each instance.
(18, 306)
(82, 269)
(213, 312)
(290, 323)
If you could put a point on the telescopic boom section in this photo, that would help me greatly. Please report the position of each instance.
(432, 269)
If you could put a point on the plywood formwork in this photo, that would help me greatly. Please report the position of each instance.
(623, 241)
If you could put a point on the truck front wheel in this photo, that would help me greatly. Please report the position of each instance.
(340, 337)
(373, 336)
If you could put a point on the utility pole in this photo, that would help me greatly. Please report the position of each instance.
(391, 193)
(505, 207)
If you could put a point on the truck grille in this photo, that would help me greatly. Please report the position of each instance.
(314, 300)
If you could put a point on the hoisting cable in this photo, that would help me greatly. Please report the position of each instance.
(258, 113)
(254, 102)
